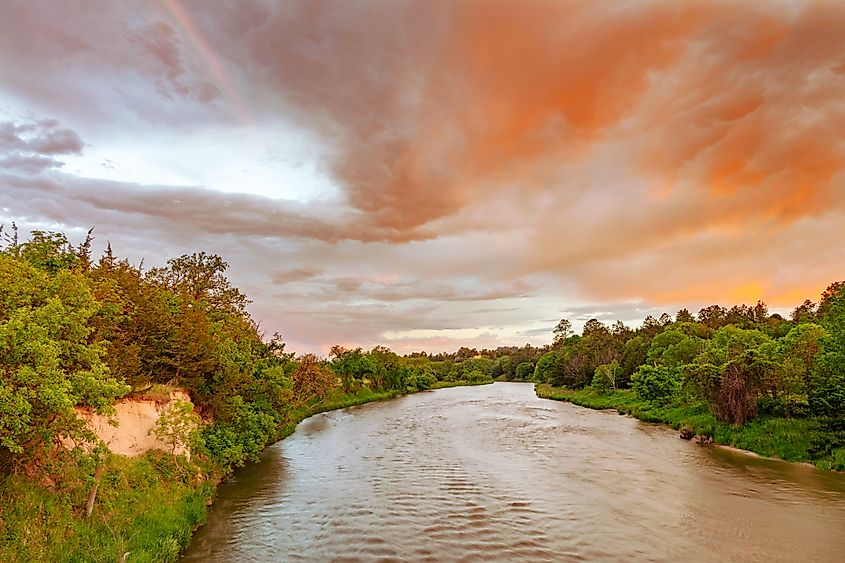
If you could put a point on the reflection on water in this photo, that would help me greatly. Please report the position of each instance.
(492, 472)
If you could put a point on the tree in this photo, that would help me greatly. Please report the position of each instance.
(804, 313)
(801, 346)
(713, 316)
(48, 251)
(673, 349)
(524, 371)
(506, 364)
(656, 384)
(620, 331)
(562, 331)
(606, 377)
(311, 380)
(634, 354)
(651, 326)
(387, 374)
(201, 277)
(48, 364)
(351, 366)
(827, 385)
(730, 372)
(684, 316)
(546, 365)
(178, 427)
(829, 297)
(595, 327)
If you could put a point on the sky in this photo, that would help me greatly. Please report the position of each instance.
(429, 174)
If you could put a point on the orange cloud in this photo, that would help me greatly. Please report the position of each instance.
(650, 152)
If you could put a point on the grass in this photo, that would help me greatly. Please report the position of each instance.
(146, 507)
(789, 439)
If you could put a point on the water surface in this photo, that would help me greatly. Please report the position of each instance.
(494, 473)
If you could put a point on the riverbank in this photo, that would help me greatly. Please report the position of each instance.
(146, 509)
(793, 439)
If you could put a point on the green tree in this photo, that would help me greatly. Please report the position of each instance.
(827, 386)
(562, 331)
(178, 427)
(656, 384)
(352, 366)
(201, 277)
(684, 316)
(634, 354)
(47, 363)
(730, 373)
(546, 365)
(524, 371)
(606, 377)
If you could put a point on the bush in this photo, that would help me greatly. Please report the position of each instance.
(600, 384)
(656, 384)
(524, 371)
(605, 377)
(827, 386)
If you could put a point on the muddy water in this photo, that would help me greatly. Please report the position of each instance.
(493, 473)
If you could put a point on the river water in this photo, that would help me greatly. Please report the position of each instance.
(494, 473)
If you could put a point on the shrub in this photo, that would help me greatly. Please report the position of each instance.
(656, 384)
(605, 377)
(524, 370)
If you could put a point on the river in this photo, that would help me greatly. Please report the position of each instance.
(494, 473)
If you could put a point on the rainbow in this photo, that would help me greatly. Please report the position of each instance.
(183, 20)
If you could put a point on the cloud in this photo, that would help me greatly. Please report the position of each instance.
(368, 289)
(294, 275)
(190, 208)
(32, 147)
(491, 162)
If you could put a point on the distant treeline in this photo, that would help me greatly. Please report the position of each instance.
(739, 361)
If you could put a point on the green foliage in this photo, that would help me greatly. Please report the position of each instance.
(656, 384)
(634, 354)
(352, 366)
(546, 365)
(47, 362)
(730, 372)
(827, 382)
(827, 387)
(524, 371)
(50, 252)
(606, 377)
(179, 427)
(201, 277)
(673, 348)
(74, 334)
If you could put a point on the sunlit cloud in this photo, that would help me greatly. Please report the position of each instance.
(435, 174)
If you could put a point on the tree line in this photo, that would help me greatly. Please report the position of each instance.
(740, 362)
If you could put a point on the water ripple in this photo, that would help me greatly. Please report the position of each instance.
(493, 473)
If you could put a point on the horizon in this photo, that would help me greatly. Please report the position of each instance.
(429, 175)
